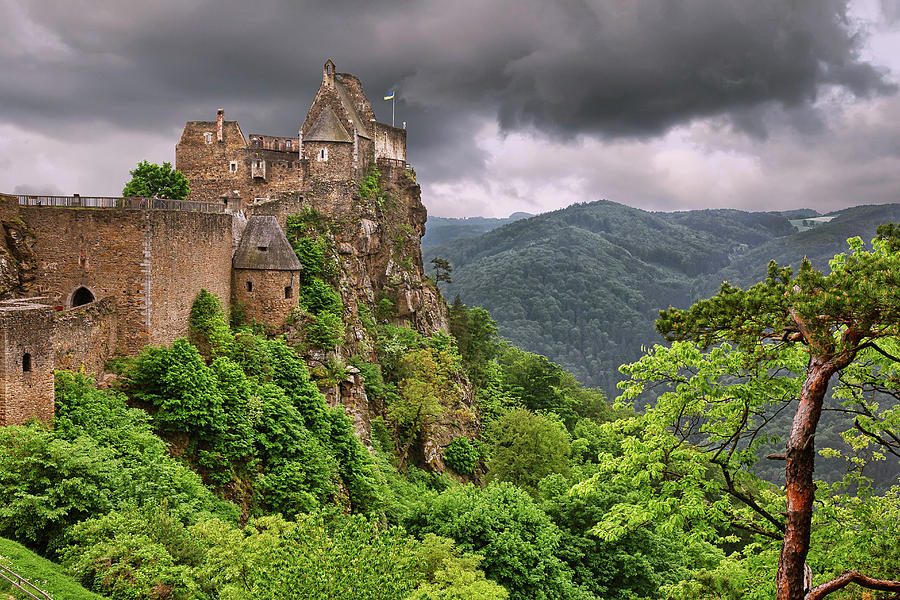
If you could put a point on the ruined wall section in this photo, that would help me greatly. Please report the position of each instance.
(84, 337)
(183, 252)
(154, 262)
(390, 142)
(26, 362)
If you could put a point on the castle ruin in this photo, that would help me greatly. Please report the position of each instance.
(83, 279)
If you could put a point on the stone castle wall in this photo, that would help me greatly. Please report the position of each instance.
(267, 299)
(26, 362)
(187, 252)
(265, 167)
(390, 142)
(85, 336)
(154, 262)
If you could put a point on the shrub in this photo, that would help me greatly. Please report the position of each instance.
(461, 456)
(317, 296)
(208, 326)
(326, 330)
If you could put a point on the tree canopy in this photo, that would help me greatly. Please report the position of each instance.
(150, 180)
(740, 358)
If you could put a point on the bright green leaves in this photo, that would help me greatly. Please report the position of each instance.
(151, 180)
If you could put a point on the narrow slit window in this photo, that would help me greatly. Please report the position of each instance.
(26, 362)
(288, 291)
(233, 166)
(262, 248)
(249, 286)
(208, 137)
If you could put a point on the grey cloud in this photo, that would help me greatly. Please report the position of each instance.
(48, 189)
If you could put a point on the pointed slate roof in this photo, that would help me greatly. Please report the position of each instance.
(263, 246)
(327, 128)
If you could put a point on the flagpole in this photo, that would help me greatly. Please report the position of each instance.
(393, 99)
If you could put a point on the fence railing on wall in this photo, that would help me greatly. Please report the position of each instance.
(23, 585)
(118, 202)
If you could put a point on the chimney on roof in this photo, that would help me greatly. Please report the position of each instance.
(220, 123)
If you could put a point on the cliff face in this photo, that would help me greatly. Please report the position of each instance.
(17, 264)
(373, 239)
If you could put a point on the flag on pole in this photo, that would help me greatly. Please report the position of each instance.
(390, 96)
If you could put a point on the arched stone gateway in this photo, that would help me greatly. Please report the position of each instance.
(82, 296)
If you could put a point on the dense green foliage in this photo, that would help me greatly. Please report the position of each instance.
(151, 180)
(550, 492)
(461, 455)
(309, 235)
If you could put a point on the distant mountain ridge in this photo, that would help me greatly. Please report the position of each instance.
(443, 230)
(583, 285)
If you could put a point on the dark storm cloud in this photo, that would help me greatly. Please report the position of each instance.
(608, 67)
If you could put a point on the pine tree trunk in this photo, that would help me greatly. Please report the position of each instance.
(799, 486)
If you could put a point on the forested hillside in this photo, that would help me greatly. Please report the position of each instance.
(583, 285)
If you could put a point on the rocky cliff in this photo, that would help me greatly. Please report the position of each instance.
(17, 264)
(371, 233)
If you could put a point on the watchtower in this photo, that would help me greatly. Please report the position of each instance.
(26, 361)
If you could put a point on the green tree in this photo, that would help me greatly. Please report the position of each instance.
(526, 447)
(442, 270)
(427, 389)
(150, 180)
(791, 335)
(503, 524)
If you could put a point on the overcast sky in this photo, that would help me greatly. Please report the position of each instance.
(511, 105)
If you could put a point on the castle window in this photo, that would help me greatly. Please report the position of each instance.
(233, 166)
(323, 155)
(288, 291)
(26, 363)
(82, 296)
(249, 286)
(287, 145)
(208, 137)
(262, 248)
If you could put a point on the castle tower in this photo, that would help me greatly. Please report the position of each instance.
(26, 361)
(265, 272)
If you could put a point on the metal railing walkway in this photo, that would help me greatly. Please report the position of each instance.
(22, 584)
(133, 203)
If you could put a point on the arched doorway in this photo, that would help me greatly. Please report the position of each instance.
(82, 296)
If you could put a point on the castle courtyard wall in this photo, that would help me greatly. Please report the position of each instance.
(153, 261)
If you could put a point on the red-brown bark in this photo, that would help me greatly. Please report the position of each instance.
(885, 585)
(799, 486)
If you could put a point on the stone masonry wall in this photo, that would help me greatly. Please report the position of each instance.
(154, 262)
(26, 393)
(267, 302)
(390, 142)
(187, 252)
(207, 165)
(85, 336)
(338, 167)
(100, 249)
